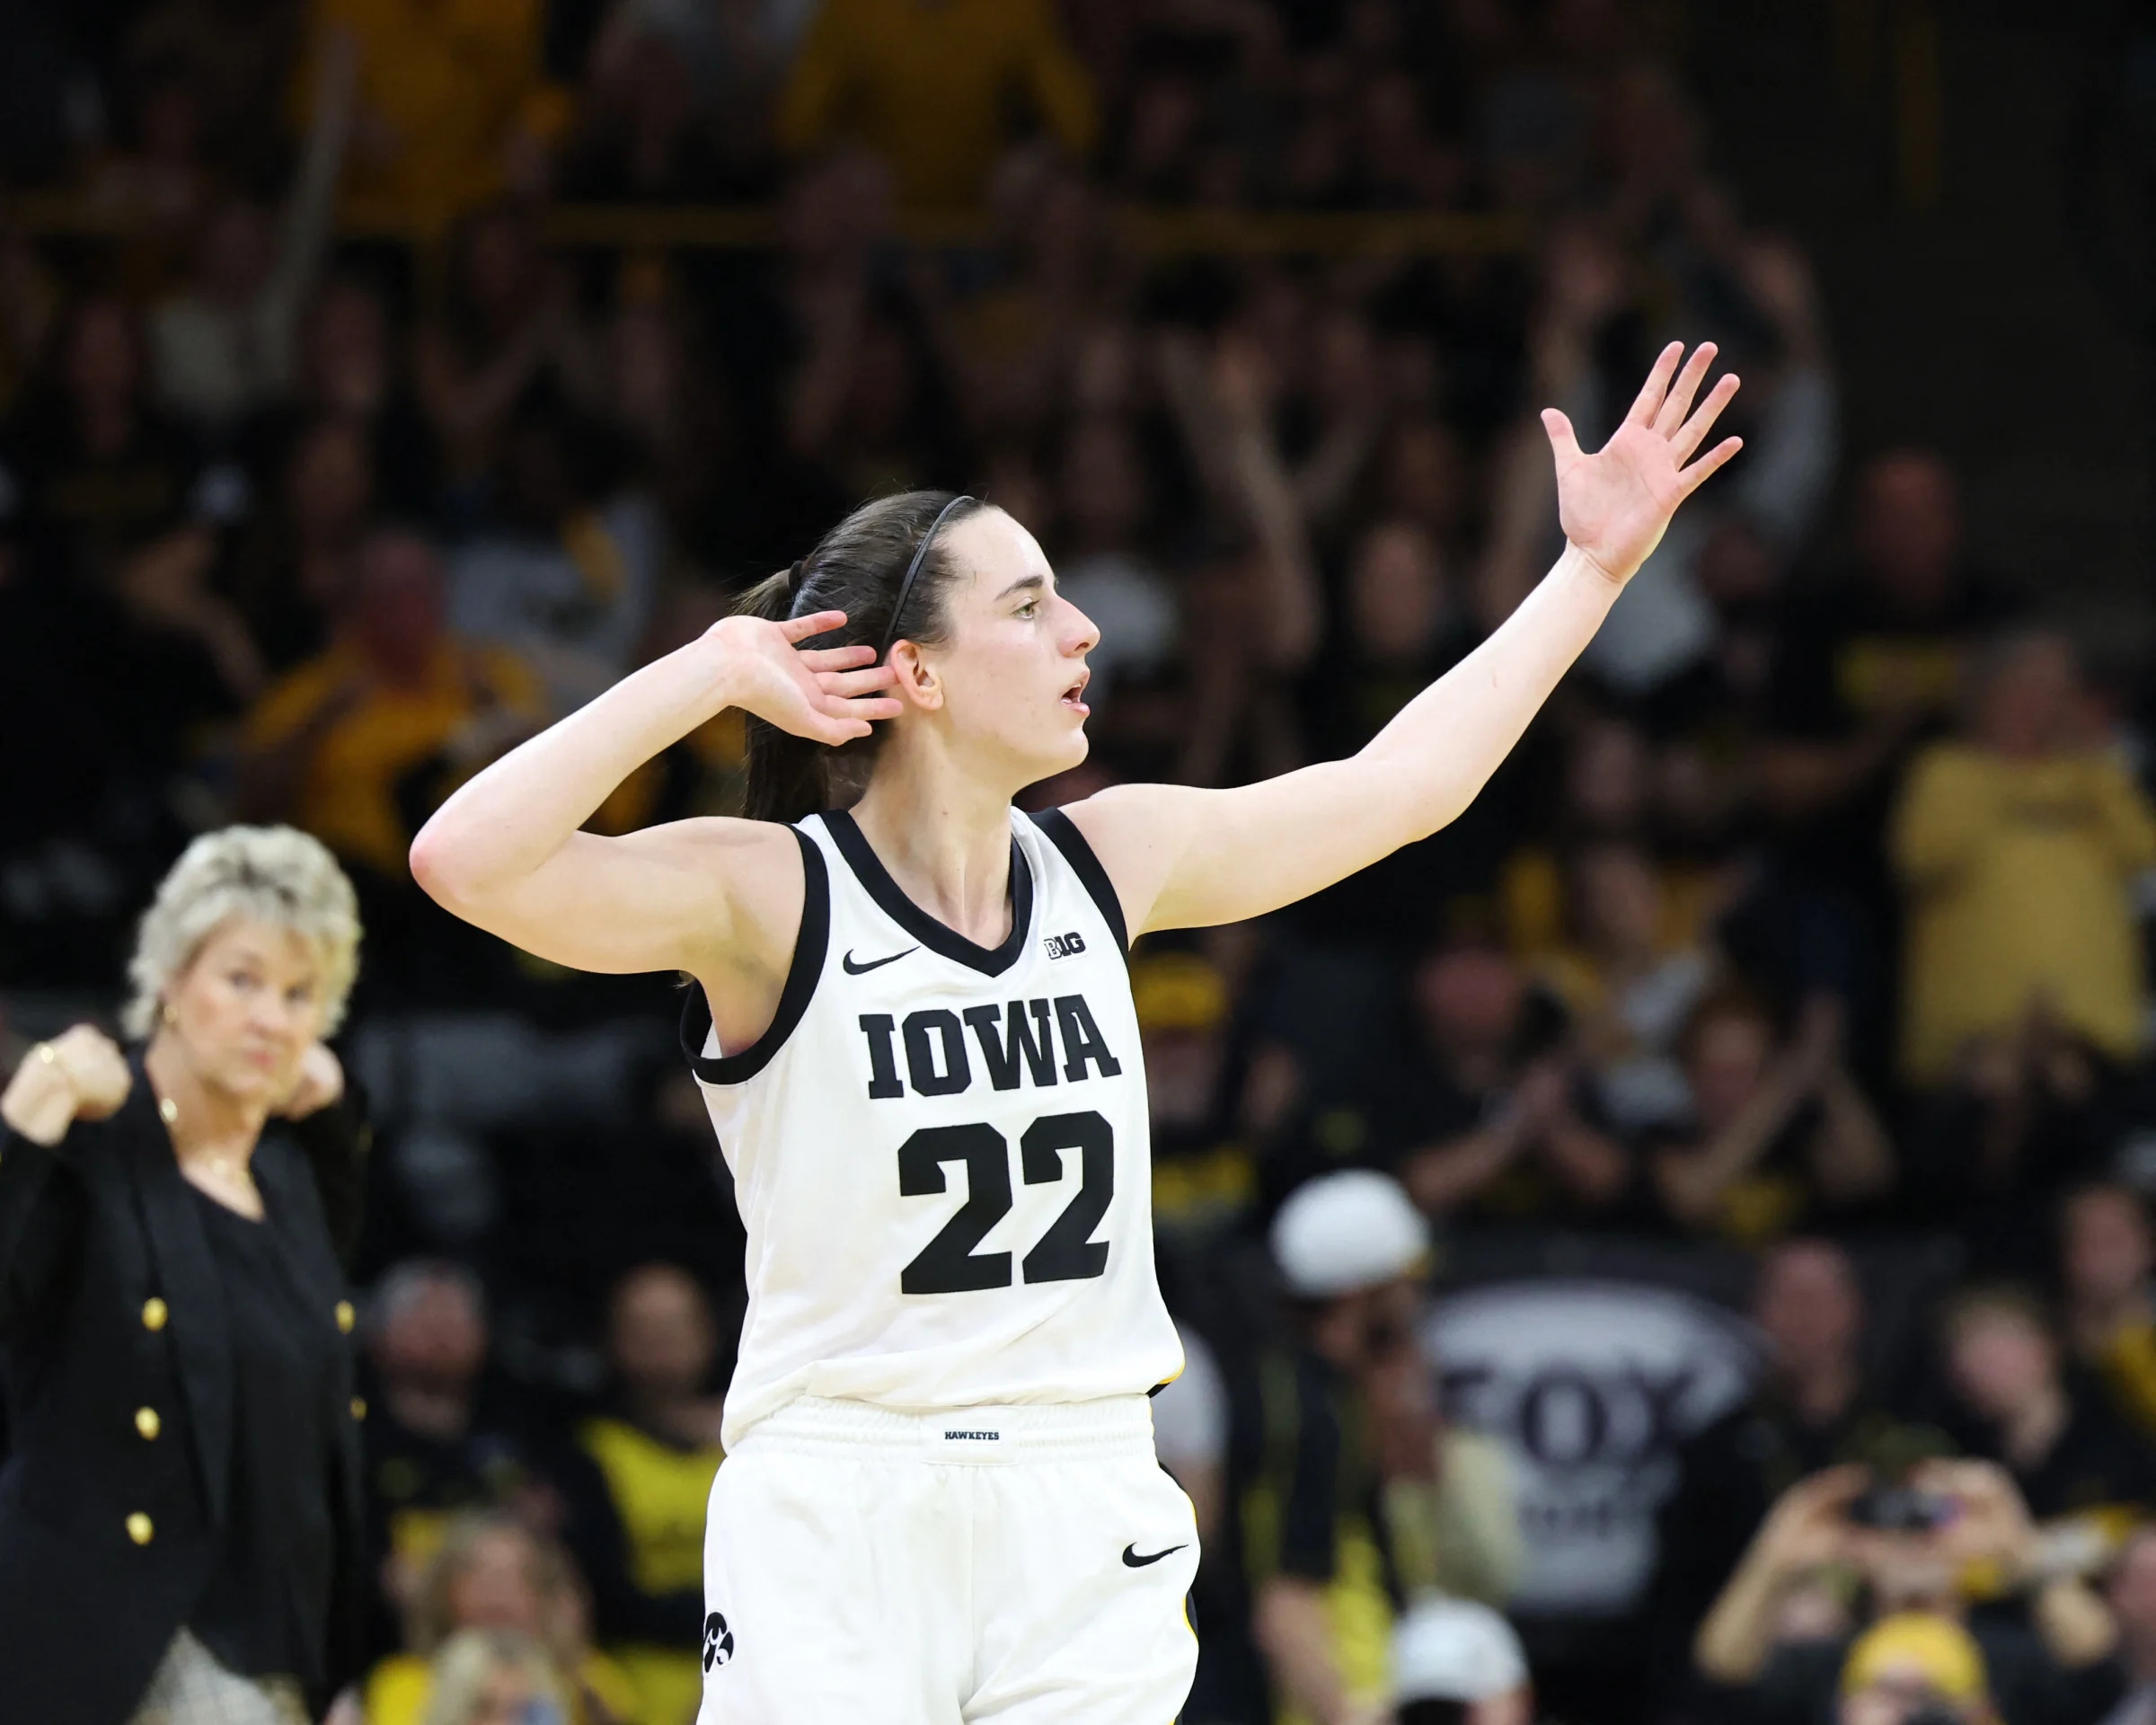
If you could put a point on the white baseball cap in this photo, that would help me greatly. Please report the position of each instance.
(1342, 1231)
(1455, 1649)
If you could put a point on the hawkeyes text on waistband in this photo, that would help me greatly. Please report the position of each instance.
(1018, 1432)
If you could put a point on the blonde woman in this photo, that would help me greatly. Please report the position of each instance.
(494, 1573)
(178, 1520)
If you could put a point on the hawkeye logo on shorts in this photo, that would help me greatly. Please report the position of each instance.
(1064, 946)
(718, 1642)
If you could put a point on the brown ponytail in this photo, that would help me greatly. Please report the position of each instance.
(857, 568)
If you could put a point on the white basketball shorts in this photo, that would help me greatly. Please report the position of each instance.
(1024, 1565)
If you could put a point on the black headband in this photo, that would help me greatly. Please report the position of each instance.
(913, 570)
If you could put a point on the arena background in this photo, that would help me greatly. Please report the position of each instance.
(1813, 908)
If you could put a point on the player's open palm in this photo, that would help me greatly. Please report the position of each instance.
(829, 695)
(1615, 505)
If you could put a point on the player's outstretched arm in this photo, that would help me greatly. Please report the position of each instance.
(505, 854)
(1185, 858)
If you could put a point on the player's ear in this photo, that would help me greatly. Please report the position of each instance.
(918, 680)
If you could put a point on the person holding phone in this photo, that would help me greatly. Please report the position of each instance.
(1786, 1637)
(495, 1676)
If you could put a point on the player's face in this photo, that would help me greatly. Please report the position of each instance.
(1012, 674)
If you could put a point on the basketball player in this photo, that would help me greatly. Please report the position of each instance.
(941, 1502)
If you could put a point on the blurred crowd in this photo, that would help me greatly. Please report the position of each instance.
(1673, 1246)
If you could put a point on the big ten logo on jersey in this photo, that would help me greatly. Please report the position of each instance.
(1017, 1043)
(1064, 946)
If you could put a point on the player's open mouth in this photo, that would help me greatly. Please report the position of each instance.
(1074, 697)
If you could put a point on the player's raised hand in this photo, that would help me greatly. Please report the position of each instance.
(828, 695)
(1615, 505)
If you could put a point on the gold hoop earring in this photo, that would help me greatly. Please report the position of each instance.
(171, 1017)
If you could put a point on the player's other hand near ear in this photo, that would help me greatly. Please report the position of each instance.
(828, 695)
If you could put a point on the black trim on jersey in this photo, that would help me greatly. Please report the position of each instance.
(809, 948)
(934, 935)
(1063, 834)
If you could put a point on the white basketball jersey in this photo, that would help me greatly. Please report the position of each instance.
(942, 1152)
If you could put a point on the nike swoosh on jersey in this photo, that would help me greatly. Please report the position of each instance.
(853, 970)
(1132, 1560)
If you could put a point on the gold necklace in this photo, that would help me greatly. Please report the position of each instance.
(225, 1167)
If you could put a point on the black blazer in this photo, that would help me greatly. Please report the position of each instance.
(119, 1355)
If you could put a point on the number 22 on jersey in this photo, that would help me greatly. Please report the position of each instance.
(1067, 1252)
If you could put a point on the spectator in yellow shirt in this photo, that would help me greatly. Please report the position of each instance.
(929, 86)
(454, 104)
(636, 1516)
(359, 743)
(494, 1575)
(2016, 850)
